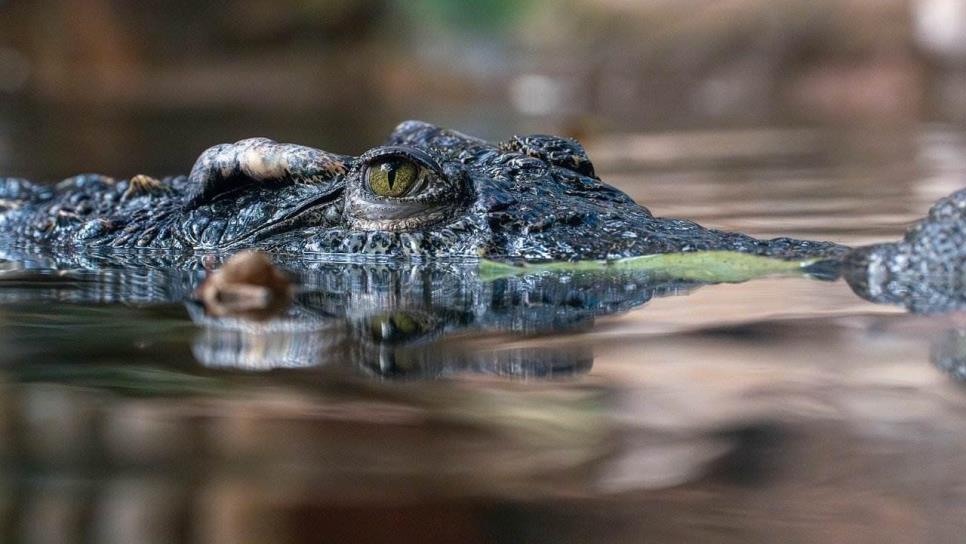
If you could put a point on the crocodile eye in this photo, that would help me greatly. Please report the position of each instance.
(392, 177)
(399, 326)
(400, 188)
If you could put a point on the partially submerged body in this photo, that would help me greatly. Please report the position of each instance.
(429, 193)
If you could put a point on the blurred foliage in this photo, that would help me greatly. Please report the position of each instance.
(484, 16)
(89, 83)
(123, 379)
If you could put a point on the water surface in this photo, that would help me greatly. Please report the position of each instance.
(431, 403)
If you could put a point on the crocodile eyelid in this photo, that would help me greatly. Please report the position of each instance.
(418, 156)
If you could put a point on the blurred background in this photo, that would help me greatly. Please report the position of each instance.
(783, 410)
(119, 87)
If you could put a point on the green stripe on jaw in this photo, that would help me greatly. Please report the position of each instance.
(700, 266)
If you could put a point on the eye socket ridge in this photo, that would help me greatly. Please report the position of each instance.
(397, 171)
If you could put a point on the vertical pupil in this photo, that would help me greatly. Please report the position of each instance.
(390, 174)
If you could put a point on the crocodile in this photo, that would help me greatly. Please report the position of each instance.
(429, 192)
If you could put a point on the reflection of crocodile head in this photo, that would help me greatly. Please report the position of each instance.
(399, 319)
(391, 319)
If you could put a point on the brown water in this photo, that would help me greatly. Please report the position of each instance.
(779, 410)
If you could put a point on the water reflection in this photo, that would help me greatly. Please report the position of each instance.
(298, 340)
(386, 319)
(130, 413)
(119, 447)
(254, 461)
(389, 319)
(948, 353)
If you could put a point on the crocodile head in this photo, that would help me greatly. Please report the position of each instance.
(428, 192)
(433, 192)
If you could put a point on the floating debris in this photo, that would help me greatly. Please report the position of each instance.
(249, 286)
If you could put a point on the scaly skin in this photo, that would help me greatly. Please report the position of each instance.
(925, 270)
(534, 198)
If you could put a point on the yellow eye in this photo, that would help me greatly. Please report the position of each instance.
(392, 177)
(398, 326)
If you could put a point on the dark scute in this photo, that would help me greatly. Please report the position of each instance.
(562, 152)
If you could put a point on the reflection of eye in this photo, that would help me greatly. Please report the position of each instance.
(399, 326)
(393, 176)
